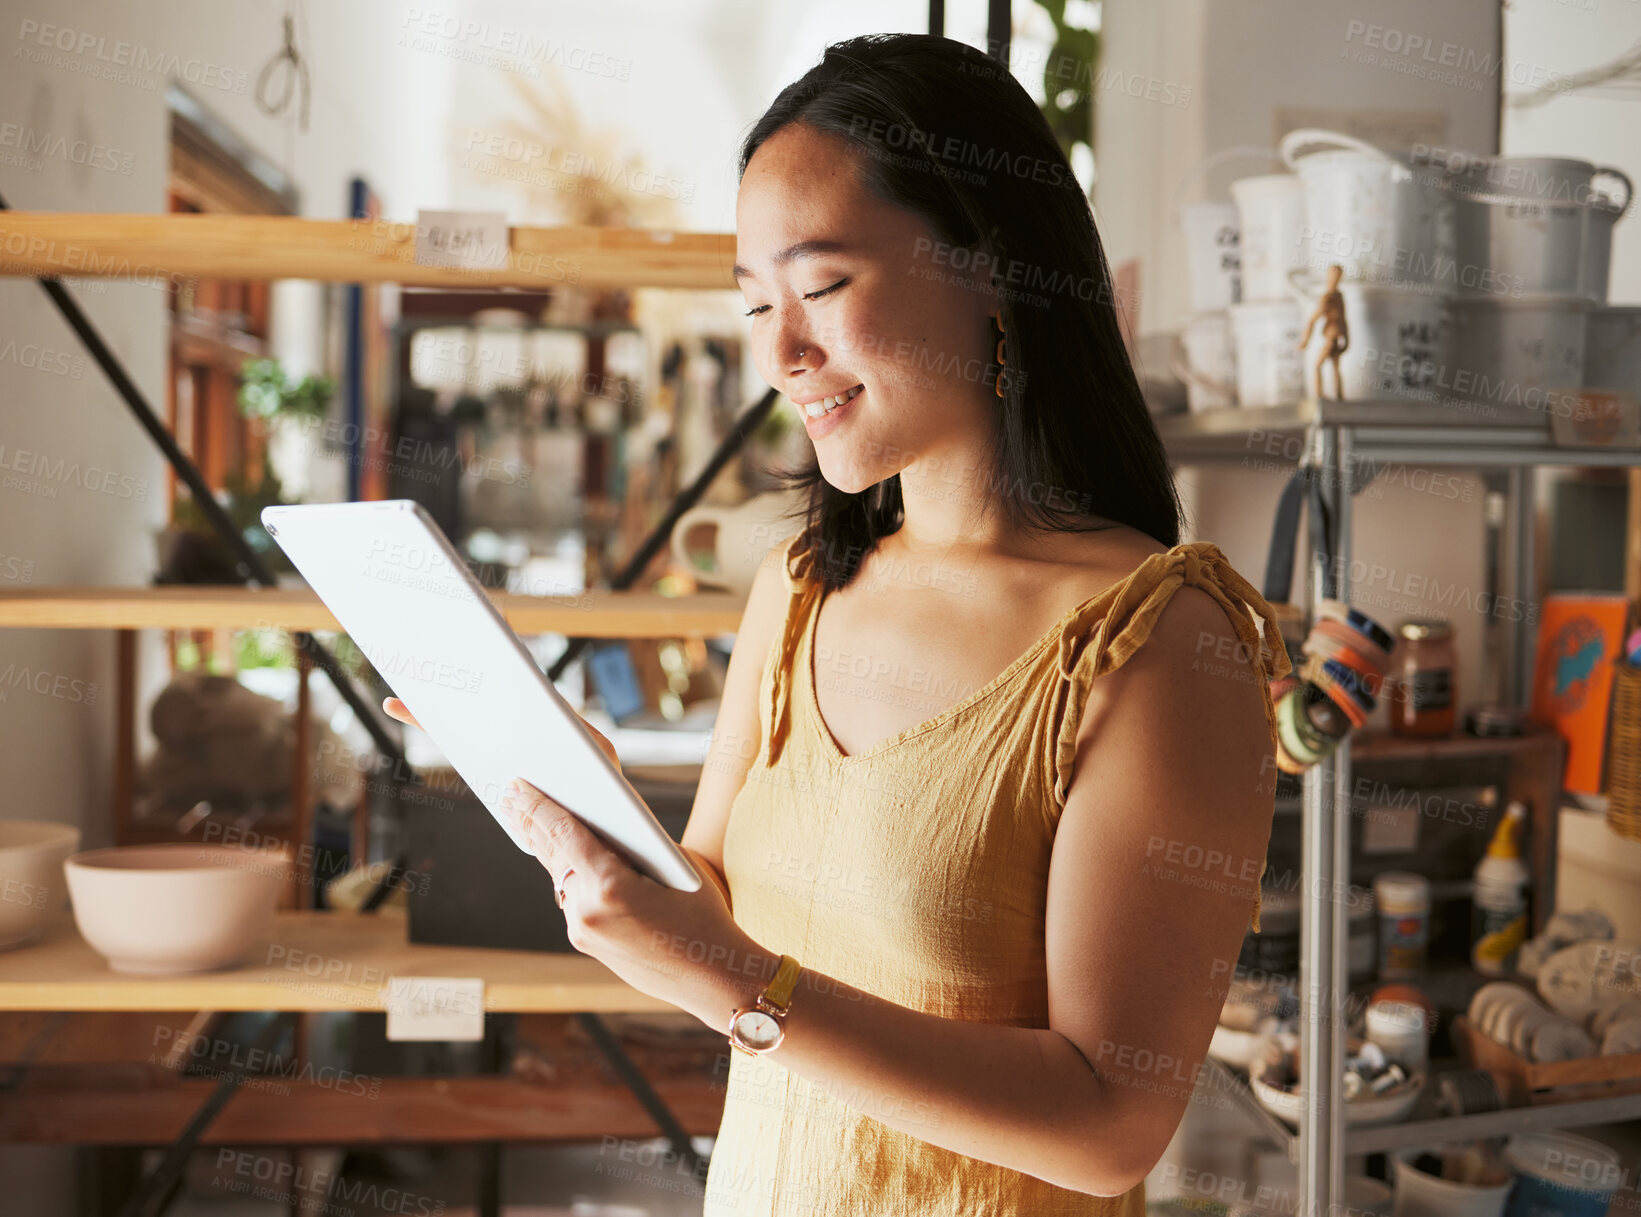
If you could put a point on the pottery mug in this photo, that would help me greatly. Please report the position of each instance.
(723, 546)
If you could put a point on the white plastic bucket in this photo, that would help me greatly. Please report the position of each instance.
(1370, 212)
(1212, 248)
(1399, 340)
(1269, 363)
(1612, 348)
(1271, 213)
(1208, 366)
(1422, 1195)
(1520, 358)
(1560, 1175)
(1213, 234)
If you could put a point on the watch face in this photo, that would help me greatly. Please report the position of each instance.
(757, 1030)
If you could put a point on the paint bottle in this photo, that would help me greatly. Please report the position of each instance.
(1499, 921)
(1404, 923)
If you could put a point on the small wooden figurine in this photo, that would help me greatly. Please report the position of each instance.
(1330, 311)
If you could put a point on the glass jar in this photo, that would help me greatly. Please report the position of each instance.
(1424, 686)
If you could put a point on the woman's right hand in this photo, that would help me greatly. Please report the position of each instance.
(397, 709)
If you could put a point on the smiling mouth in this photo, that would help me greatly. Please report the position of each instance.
(826, 405)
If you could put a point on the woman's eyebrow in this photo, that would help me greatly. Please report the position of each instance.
(812, 248)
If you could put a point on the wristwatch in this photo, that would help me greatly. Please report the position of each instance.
(761, 1027)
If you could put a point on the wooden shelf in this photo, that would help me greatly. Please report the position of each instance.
(590, 615)
(102, 1105)
(87, 245)
(312, 961)
(1383, 746)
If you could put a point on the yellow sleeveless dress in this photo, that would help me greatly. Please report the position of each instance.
(918, 871)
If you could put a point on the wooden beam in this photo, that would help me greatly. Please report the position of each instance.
(312, 961)
(596, 614)
(149, 247)
(103, 1106)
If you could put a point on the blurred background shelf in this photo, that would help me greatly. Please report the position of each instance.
(314, 961)
(86, 245)
(593, 614)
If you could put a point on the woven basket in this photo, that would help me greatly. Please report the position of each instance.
(1624, 753)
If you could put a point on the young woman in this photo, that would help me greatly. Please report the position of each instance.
(992, 778)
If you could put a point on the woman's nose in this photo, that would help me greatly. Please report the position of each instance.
(797, 349)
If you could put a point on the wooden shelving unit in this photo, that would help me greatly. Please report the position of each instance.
(350, 251)
(590, 615)
(312, 961)
(61, 972)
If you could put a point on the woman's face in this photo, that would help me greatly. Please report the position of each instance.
(850, 293)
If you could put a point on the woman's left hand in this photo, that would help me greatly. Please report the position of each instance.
(682, 947)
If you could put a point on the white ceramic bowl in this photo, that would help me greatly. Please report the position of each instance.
(31, 875)
(1238, 1049)
(1288, 1106)
(160, 909)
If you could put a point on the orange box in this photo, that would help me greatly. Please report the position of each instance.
(1580, 635)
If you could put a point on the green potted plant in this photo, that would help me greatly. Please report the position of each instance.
(191, 551)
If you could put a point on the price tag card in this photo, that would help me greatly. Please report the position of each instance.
(435, 1008)
(468, 240)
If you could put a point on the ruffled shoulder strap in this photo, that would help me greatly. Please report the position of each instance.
(797, 570)
(1103, 632)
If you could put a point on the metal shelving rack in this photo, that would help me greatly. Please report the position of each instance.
(1345, 441)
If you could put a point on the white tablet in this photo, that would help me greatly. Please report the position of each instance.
(408, 601)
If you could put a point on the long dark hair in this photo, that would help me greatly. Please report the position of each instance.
(947, 131)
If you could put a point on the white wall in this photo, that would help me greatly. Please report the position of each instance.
(1550, 41)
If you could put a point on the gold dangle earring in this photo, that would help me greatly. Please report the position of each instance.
(1002, 365)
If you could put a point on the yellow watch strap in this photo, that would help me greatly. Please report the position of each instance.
(779, 990)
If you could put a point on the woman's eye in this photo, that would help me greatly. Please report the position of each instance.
(763, 308)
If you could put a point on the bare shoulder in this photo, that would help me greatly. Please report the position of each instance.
(1088, 563)
(766, 599)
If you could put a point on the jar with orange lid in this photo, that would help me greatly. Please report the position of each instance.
(1423, 687)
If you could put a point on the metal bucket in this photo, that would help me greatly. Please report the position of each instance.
(1399, 339)
(1271, 213)
(1600, 217)
(1269, 364)
(1208, 362)
(1531, 225)
(1612, 349)
(1519, 357)
(1369, 212)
